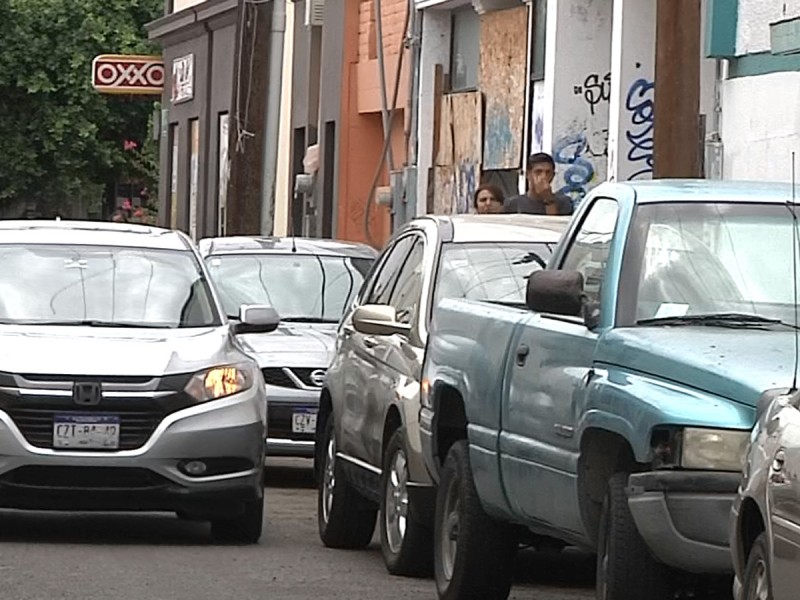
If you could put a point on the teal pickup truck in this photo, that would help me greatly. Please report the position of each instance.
(613, 411)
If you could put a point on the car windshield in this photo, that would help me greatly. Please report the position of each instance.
(301, 287)
(103, 286)
(489, 271)
(714, 259)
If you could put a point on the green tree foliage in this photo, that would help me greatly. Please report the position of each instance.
(59, 138)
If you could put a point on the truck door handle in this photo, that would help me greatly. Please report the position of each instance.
(522, 354)
(370, 342)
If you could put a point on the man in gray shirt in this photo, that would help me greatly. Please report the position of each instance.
(540, 199)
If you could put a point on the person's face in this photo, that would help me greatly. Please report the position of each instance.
(540, 176)
(487, 204)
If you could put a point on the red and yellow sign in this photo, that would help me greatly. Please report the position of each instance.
(128, 74)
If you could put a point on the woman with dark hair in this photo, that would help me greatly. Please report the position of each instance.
(488, 199)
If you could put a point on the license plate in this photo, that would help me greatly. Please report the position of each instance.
(86, 431)
(304, 421)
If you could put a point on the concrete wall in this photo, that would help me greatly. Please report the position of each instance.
(761, 126)
(752, 33)
(630, 139)
(577, 92)
(435, 50)
(283, 182)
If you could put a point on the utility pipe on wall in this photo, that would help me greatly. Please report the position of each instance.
(382, 73)
(273, 116)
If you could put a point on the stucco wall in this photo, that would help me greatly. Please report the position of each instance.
(760, 126)
(577, 92)
(752, 34)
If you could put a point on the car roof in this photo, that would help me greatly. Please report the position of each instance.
(91, 233)
(472, 228)
(284, 245)
(706, 190)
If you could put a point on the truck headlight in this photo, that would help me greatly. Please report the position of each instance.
(219, 382)
(714, 449)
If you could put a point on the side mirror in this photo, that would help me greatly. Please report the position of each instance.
(378, 319)
(556, 292)
(256, 318)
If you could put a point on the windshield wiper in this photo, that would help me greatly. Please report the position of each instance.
(715, 320)
(307, 320)
(87, 323)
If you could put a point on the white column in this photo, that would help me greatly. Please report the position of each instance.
(577, 92)
(435, 49)
(633, 63)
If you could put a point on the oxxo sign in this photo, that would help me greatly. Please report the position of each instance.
(128, 74)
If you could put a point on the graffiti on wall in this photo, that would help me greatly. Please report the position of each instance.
(594, 89)
(639, 105)
(572, 153)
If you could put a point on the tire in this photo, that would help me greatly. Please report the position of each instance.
(344, 518)
(407, 545)
(626, 569)
(245, 529)
(478, 564)
(757, 584)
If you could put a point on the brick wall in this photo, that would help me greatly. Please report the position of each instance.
(394, 16)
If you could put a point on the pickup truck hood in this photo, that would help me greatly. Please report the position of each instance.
(122, 352)
(738, 364)
(293, 345)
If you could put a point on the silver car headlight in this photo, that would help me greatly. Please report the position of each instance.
(220, 382)
(714, 449)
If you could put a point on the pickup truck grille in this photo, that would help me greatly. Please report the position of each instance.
(282, 376)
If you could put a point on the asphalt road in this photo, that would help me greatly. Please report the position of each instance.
(60, 556)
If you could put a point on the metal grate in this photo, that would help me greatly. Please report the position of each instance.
(36, 424)
(279, 376)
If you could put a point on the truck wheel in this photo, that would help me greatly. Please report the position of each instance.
(407, 545)
(343, 518)
(473, 554)
(245, 529)
(757, 575)
(626, 570)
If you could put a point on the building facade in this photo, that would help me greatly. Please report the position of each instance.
(344, 74)
(759, 50)
(213, 114)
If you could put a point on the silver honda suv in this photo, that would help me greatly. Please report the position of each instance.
(122, 383)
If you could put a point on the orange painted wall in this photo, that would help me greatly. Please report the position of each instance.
(361, 140)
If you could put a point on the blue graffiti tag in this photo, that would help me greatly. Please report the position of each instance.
(641, 107)
(570, 150)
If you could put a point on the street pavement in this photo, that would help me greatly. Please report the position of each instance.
(61, 556)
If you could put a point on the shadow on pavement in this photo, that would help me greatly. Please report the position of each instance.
(289, 473)
(569, 568)
(152, 529)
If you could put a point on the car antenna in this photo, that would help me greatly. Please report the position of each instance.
(795, 248)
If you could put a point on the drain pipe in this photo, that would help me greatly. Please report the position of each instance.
(382, 74)
(273, 116)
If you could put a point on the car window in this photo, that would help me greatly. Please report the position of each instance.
(711, 258)
(303, 287)
(590, 248)
(386, 277)
(489, 271)
(64, 285)
(408, 289)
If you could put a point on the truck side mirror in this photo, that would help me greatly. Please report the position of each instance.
(556, 292)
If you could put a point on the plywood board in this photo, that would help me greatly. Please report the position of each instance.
(467, 112)
(502, 76)
(444, 154)
(443, 189)
(454, 187)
